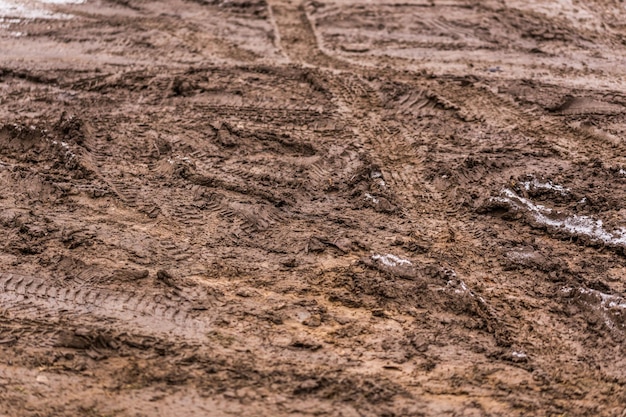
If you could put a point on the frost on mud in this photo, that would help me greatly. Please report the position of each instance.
(391, 260)
(12, 11)
(611, 308)
(393, 265)
(574, 225)
(534, 184)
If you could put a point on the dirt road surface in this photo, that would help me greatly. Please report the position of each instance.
(341, 208)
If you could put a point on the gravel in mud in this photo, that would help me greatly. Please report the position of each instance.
(333, 208)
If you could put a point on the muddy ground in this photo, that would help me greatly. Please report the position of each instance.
(333, 208)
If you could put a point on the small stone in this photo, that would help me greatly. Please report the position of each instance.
(42, 378)
(313, 321)
(290, 263)
(315, 245)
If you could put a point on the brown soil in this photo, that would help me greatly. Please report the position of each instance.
(333, 208)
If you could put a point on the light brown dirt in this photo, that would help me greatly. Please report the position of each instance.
(333, 208)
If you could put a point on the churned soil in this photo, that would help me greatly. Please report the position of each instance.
(342, 208)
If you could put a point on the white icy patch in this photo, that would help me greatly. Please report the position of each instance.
(574, 225)
(460, 287)
(520, 255)
(622, 171)
(606, 300)
(519, 355)
(68, 153)
(391, 260)
(534, 184)
(378, 177)
(464, 289)
(13, 11)
(605, 303)
(179, 158)
(370, 197)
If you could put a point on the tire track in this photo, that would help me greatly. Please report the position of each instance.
(295, 30)
(386, 143)
(28, 298)
(470, 103)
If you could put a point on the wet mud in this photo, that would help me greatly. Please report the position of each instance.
(312, 208)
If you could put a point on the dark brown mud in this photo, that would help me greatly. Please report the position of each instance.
(309, 208)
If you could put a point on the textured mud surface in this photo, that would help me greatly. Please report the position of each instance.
(320, 208)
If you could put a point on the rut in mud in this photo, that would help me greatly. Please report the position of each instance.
(293, 208)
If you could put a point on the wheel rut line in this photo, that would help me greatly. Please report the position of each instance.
(277, 39)
(29, 297)
(294, 25)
